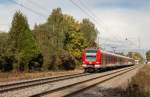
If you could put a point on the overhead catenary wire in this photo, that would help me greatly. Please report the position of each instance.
(84, 4)
(122, 43)
(88, 12)
(27, 8)
(38, 5)
(84, 11)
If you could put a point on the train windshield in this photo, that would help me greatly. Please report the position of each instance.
(91, 54)
(91, 58)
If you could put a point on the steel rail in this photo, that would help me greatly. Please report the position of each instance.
(81, 82)
(29, 83)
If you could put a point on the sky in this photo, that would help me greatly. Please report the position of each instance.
(122, 24)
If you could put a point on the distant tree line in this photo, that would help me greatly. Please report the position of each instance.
(148, 56)
(53, 45)
(136, 56)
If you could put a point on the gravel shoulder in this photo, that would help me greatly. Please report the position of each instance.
(107, 88)
(51, 86)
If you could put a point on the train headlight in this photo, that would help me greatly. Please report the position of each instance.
(84, 65)
(83, 62)
(90, 62)
(97, 62)
(97, 66)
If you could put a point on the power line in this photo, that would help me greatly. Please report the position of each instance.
(37, 4)
(83, 11)
(89, 12)
(93, 14)
(29, 9)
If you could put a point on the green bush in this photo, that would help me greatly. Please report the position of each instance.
(6, 63)
(68, 61)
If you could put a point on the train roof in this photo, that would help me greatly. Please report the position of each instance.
(109, 53)
(113, 54)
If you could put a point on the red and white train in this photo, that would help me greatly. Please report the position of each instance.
(96, 59)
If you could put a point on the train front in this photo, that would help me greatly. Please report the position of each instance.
(91, 60)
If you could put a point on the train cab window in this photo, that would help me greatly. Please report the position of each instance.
(91, 51)
(91, 58)
(91, 54)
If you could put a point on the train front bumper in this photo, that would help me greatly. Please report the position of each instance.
(91, 65)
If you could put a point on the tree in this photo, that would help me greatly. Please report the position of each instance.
(89, 31)
(148, 56)
(21, 42)
(61, 40)
(44, 39)
(3, 40)
(50, 37)
(136, 56)
(75, 40)
(56, 24)
(5, 61)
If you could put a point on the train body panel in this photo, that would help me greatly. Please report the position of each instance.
(95, 59)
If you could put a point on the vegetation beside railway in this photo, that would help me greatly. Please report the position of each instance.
(138, 87)
(53, 45)
(136, 56)
(148, 56)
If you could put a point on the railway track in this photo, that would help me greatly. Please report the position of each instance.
(59, 86)
(70, 89)
(30, 83)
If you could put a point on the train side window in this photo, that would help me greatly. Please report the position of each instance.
(110, 59)
(103, 59)
(106, 59)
